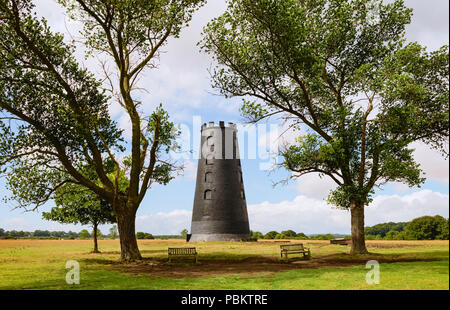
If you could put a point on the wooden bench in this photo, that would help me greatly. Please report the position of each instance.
(340, 241)
(182, 252)
(295, 249)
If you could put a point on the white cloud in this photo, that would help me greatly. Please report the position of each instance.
(429, 24)
(399, 188)
(309, 215)
(396, 208)
(434, 165)
(190, 170)
(55, 226)
(171, 223)
(125, 124)
(16, 223)
(27, 223)
(56, 17)
(181, 80)
(270, 139)
(314, 186)
(303, 214)
(274, 136)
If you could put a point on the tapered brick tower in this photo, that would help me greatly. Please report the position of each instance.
(220, 209)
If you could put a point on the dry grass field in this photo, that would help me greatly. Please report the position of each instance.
(40, 264)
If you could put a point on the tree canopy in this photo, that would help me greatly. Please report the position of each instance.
(54, 117)
(79, 205)
(52, 111)
(428, 228)
(113, 232)
(384, 228)
(341, 71)
(84, 234)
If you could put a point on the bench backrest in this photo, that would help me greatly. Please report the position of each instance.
(182, 251)
(292, 247)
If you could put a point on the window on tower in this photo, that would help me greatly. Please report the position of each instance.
(242, 194)
(210, 143)
(209, 159)
(208, 177)
(208, 194)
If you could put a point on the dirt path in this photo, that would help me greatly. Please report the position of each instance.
(247, 267)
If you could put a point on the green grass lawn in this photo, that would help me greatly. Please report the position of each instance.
(40, 264)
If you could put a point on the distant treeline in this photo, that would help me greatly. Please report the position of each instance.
(421, 228)
(168, 237)
(45, 234)
(288, 234)
(83, 234)
(143, 235)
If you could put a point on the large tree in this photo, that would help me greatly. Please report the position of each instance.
(428, 228)
(79, 205)
(341, 71)
(55, 116)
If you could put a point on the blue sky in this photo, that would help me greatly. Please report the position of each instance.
(182, 84)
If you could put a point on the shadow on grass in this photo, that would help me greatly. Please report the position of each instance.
(99, 261)
(40, 285)
(223, 258)
(247, 265)
(401, 276)
(248, 273)
(390, 257)
(118, 252)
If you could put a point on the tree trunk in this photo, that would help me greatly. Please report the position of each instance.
(129, 250)
(358, 239)
(94, 234)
